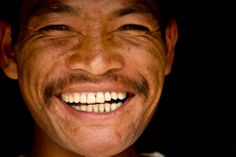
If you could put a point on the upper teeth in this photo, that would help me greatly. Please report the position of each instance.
(92, 97)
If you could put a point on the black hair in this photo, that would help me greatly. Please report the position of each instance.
(10, 12)
(167, 10)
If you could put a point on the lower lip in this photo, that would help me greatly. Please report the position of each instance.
(93, 115)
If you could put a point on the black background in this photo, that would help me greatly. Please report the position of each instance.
(196, 114)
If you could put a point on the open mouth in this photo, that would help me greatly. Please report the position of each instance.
(97, 102)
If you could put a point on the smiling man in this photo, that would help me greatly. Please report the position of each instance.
(91, 72)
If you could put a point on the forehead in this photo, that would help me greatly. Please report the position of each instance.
(41, 2)
(31, 6)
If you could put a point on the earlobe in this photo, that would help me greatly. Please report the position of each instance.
(171, 36)
(7, 56)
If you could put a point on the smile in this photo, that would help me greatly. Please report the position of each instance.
(97, 102)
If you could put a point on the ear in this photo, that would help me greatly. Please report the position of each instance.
(171, 36)
(7, 56)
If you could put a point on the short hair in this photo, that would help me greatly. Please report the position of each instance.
(10, 12)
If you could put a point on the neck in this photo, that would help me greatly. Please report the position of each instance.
(44, 146)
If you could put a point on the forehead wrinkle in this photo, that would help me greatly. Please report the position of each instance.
(41, 10)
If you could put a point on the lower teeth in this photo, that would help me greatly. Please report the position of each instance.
(107, 107)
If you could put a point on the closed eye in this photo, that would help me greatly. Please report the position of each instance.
(134, 27)
(54, 28)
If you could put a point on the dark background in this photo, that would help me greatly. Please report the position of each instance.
(197, 113)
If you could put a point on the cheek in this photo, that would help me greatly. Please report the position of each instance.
(146, 51)
(37, 60)
(36, 64)
(32, 67)
(148, 59)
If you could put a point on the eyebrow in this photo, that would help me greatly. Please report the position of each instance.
(42, 10)
(134, 9)
(130, 10)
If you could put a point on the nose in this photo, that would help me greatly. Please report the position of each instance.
(95, 56)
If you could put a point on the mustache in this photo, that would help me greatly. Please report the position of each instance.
(139, 86)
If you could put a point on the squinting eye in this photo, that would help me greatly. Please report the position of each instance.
(54, 27)
(134, 27)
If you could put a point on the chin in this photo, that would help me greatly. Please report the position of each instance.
(97, 142)
(100, 148)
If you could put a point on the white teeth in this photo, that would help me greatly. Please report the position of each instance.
(121, 95)
(114, 95)
(77, 107)
(101, 107)
(100, 97)
(76, 97)
(83, 98)
(71, 99)
(107, 107)
(83, 108)
(107, 96)
(98, 108)
(64, 97)
(92, 98)
(90, 108)
(119, 104)
(113, 106)
(95, 108)
(97, 102)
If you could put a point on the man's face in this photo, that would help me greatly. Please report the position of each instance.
(91, 72)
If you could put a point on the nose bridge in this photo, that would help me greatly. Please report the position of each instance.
(96, 43)
(95, 55)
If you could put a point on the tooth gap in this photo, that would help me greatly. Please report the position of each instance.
(110, 102)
